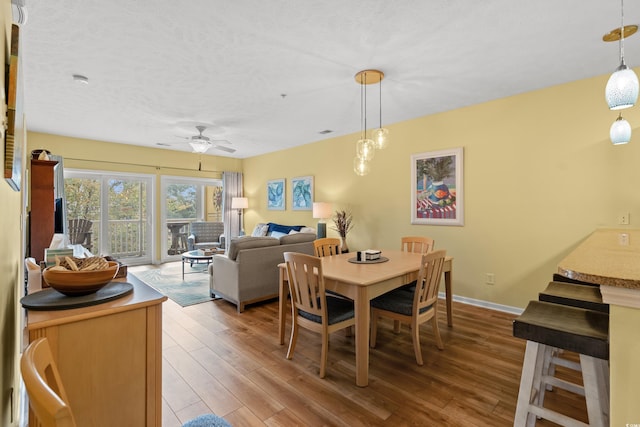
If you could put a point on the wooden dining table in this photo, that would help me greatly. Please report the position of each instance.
(362, 282)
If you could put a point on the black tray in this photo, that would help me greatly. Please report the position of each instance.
(50, 299)
(374, 261)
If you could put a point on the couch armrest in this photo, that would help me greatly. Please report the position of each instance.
(224, 276)
(191, 240)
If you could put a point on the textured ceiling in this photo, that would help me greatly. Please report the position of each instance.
(269, 75)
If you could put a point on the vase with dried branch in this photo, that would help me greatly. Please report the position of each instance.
(343, 223)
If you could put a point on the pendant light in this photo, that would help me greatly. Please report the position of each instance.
(622, 88)
(620, 131)
(380, 136)
(365, 147)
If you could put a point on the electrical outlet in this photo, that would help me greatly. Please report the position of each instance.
(490, 279)
(623, 219)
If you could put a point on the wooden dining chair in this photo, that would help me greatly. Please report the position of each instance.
(311, 307)
(417, 244)
(327, 246)
(47, 396)
(413, 308)
(48, 399)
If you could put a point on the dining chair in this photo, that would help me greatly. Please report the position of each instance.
(48, 398)
(417, 244)
(326, 246)
(311, 307)
(413, 308)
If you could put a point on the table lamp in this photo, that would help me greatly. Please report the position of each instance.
(322, 210)
(239, 203)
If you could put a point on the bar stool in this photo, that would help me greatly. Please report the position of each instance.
(574, 294)
(547, 326)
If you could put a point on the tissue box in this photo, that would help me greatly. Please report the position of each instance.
(371, 255)
(51, 254)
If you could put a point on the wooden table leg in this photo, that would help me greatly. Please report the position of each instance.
(282, 303)
(362, 314)
(449, 296)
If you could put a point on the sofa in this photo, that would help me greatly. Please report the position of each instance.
(205, 235)
(248, 271)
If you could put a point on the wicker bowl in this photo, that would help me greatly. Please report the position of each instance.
(77, 283)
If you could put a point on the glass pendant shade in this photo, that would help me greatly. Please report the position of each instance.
(622, 88)
(361, 167)
(620, 131)
(365, 149)
(381, 138)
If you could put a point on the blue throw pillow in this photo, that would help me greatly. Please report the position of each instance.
(285, 229)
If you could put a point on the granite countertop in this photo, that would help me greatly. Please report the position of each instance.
(608, 257)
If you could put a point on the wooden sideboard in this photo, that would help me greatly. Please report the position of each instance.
(109, 357)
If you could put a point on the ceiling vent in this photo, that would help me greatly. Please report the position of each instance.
(19, 11)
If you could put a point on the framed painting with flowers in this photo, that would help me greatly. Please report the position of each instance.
(437, 187)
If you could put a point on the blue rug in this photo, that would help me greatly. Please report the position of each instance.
(168, 281)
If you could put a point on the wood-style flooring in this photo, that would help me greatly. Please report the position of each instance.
(218, 361)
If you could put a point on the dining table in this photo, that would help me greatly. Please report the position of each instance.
(362, 282)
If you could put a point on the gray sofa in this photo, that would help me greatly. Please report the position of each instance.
(205, 235)
(248, 272)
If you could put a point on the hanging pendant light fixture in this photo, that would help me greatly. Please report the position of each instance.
(365, 147)
(380, 136)
(622, 88)
(620, 131)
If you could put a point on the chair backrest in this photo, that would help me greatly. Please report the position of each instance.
(306, 283)
(426, 293)
(417, 244)
(326, 246)
(47, 396)
(78, 229)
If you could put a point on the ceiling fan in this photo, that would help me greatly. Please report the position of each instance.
(201, 143)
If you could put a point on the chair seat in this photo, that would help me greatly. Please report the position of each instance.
(338, 310)
(398, 301)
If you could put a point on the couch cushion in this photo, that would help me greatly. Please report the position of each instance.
(297, 238)
(248, 242)
(283, 228)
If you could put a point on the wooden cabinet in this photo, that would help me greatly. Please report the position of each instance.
(42, 208)
(109, 357)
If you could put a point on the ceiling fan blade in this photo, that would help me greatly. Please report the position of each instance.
(227, 149)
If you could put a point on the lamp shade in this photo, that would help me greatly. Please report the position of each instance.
(380, 138)
(622, 88)
(239, 203)
(620, 131)
(365, 149)
(322, 210)
(360, 166)
(199, 146)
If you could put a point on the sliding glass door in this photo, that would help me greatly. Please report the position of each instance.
(186, 200)
(119, 206)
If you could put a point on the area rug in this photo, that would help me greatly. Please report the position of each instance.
(168, 281)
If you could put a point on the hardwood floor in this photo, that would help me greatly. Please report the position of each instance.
(230, 364)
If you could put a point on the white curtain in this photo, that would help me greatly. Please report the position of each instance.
(232, 187)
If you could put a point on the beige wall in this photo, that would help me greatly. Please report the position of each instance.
(539, 171)
(10, 264)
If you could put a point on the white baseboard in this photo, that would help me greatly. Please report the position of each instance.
(485, 304)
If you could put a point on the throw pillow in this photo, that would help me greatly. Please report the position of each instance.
(260, 230)
(283, 228)
(277, 234)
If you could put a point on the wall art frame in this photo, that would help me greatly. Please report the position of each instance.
(437, 187)
(276, 195)
(14, 135)
(302, 193)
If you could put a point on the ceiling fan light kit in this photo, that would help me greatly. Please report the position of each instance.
(622, 87)
(365, 147)
(201, 143)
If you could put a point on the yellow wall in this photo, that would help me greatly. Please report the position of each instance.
(10, 265)
(95, 155)
(539, 175)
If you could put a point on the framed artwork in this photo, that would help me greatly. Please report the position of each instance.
(14, 136)
(276, 195)
(437, 187)
(302, 193)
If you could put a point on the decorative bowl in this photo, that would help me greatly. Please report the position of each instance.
(77, 283)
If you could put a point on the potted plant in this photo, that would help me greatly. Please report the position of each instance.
(343, 223)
